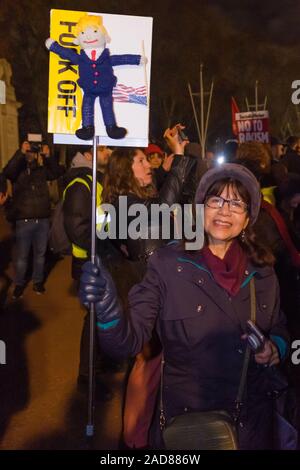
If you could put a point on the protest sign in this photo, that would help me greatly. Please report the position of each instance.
(253, 126)
(129, 35)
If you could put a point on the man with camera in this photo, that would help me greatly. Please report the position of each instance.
(29, 170)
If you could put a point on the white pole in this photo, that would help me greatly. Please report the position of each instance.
(247, 104)
(202, 113)
(90, 424)
(208, 110)
(145, 72)
(256, 95)
(195, 113)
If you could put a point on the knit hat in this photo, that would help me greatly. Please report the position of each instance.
(235, 172)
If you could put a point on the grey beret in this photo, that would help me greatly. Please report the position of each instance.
(236, 172)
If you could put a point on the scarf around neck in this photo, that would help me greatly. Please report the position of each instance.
(228, 272)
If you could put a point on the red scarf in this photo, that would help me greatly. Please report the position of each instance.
(228, 272)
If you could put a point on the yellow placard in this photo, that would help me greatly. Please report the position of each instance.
(64, 96)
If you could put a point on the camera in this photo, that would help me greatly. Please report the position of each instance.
(181, 135)
(35, 147)
(255, 338)
(35, 141)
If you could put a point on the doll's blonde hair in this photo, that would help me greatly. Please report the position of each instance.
(90, 20)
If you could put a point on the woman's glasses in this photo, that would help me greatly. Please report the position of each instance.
(235, 205)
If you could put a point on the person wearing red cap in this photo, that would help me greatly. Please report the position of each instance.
(155, 155)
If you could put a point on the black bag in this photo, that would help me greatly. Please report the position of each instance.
(205, 430)
(59, 242)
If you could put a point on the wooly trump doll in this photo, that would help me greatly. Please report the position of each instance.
(96, 76)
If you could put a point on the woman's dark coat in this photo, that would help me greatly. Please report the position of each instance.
(200, 327)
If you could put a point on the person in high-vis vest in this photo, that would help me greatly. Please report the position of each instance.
(77, 206)
(77, 209)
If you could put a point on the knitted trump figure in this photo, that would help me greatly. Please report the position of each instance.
(96, 76)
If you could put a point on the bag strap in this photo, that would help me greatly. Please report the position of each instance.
(240, 394)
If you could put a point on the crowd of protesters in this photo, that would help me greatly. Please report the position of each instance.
(146, 291)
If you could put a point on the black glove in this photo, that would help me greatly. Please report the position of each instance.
(97, 286)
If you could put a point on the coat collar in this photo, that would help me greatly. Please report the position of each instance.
(191, 266)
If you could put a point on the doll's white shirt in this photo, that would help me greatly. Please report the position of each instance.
(98, 50)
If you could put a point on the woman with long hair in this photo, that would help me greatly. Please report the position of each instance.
(129, 175)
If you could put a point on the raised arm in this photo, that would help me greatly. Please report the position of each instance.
(120, 336)
(63, 52)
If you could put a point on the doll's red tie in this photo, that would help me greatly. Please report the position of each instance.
(93, 55)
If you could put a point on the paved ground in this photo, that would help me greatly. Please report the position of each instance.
(40, 407)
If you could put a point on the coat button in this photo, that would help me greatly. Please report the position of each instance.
(185, 409)
(94, 66)
(179, 269)
(96, 73)
(264, 306)
(199, 308)
(246, 272)
(95, 82)
(200, 281)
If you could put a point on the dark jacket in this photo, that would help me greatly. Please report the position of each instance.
(89, 70)
(170, 192)
(77, 210)
(292, 161)
(77, 207)
(31, 199)
(200, 328)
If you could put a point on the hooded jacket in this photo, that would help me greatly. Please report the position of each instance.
(77, 205)
(200, 327)
(31, 199)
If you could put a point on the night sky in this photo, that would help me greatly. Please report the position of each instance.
(239, 41)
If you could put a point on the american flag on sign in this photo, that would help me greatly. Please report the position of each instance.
(128, 94)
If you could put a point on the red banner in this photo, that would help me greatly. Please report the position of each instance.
(234, 111)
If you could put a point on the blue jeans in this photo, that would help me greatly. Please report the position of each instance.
(31, 232)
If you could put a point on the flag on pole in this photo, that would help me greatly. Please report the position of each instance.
(234, 110)
(129, 94)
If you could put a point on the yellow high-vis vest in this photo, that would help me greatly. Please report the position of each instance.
(77, 251)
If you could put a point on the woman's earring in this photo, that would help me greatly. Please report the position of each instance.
(243, 236)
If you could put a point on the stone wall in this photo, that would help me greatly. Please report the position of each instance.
(9, 134)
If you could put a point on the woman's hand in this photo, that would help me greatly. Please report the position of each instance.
(167, 163)
(171, 136)
(97, 287)
(269, 355)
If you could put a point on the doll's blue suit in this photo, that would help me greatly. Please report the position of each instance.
(96, 78)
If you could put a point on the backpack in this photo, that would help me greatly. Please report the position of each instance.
(59, 242)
